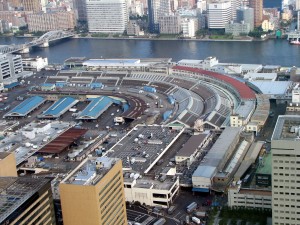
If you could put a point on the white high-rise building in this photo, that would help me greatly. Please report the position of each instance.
(10, 67)
(219, 14)
(298, 14)
(285, 150)
(189, 26)
(107, 16)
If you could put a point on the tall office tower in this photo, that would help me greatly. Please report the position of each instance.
(219, 14)
(257, 5)
(107, 16)
(157, 8)
(8, 165)
(80, 7)
(25, 200)
(247, 15)
(298, 14)
(235, 5)
(32, 5)
(93, 194)
(285, 150)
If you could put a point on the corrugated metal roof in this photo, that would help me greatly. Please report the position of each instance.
(26, 106)
(95, 108)
(63, 141)
(191, 145)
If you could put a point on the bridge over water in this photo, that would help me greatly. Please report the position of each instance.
(42, 41)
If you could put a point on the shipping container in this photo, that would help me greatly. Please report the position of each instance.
(191, 207)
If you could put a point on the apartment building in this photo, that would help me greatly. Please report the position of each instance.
(219, 14)
(32, 5)
(189, 27)
(94, 193)
(169, 24)
(285, 151)
(51, 21)
(257, 6)
(26, 200)
(107, 16)
(157, 8)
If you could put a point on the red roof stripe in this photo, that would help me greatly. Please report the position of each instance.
(244, 91)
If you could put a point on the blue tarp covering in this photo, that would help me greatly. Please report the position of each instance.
(47, 85)
(96, 85)
(12, 85)
(201, 189)
(118, 102)
(171, 99)
(96, 108)
(60, 84)
(125, 107)
(26, 106)
(59, 106)
(149, 89)
(167, 114)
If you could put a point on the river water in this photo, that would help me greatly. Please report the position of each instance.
(274, 52)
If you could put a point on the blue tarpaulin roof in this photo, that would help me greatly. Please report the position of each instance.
(200, 190)
(26, 106)
(96, 108)
(12, 85)
(60, 106)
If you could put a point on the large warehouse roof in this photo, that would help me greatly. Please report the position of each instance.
(63, 141)
(26, 106)
(95, 108)
(59, 107)
(244, 91)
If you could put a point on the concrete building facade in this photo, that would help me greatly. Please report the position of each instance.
(32, 5)
(94, 193)
(157, 8)
(107, 16)
(246, 15)
(257, 6)
(10, 67)
(285, 150)
(237, 29)
(51, 21)
(169, 24)
(219, 14)
(189, 27)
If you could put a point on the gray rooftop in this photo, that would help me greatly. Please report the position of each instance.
(286, 128)
(191, 145)
(221, 146)
(90, 171)
(143, 146)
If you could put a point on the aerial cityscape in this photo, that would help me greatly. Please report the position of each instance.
(150, 112)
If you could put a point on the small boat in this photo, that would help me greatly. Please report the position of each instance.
(295, 42)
